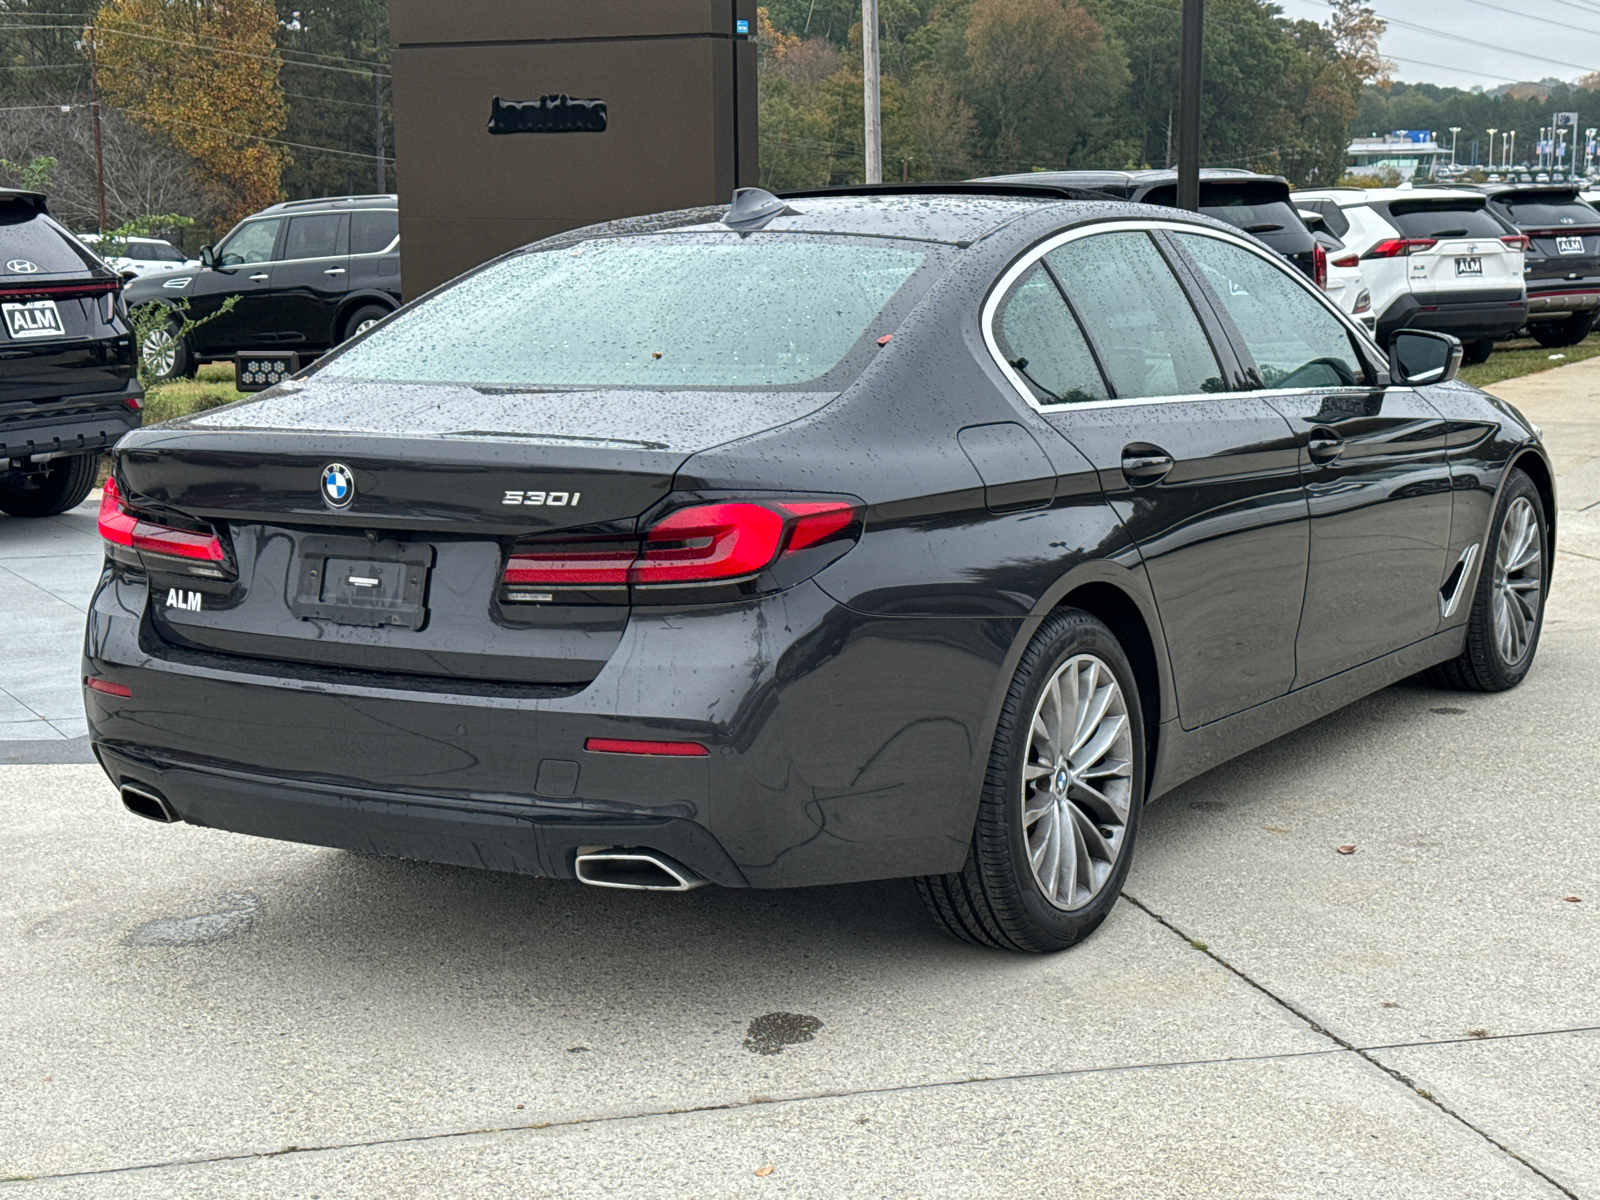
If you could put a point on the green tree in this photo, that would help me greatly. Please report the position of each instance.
(336, 85)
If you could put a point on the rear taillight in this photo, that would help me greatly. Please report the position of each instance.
(1517, 241)
(597, 745)
(1319, 266)
(725, 542)
(1349, 260)
(199, 553)
(1400, 247)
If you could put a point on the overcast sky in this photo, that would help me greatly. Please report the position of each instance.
(1574, 44)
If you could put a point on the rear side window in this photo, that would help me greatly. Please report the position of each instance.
(653, 311)
(1544, 213)
(1137, 316)
(1443, 218)
(27, 235)
(1295, 341)
(1041, 340)
(371, 232)
(154, 252)
(325, 236)
(1338, 223)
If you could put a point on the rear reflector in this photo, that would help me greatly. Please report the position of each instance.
(628, 746)
(105, 685)
(120, 527)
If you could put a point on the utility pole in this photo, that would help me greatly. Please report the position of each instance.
(873, 151)
(94, 111)
(377, 134)
(1189, 105)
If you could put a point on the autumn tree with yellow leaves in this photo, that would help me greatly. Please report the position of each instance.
(206, 74)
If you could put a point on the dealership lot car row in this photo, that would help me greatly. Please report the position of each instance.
(855, 536)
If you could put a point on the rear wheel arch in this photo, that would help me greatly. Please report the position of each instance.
(1532, 464)
(354, 303)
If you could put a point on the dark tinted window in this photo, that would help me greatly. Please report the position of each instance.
(1295, 341)
(317, 237)
(1549, 213)
(1141, 322)
(1042, 342)
(371, 232)
(28, 235)
(1338, 223)
(1253, 207)
(1443, 218)
(154, 252)
(681, 310)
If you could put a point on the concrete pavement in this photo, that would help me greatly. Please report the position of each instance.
(188, 1013)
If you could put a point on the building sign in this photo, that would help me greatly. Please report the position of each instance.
(547, 114)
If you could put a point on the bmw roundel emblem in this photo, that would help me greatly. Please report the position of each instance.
(338, 485)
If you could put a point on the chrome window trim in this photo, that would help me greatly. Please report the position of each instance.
(1033, 254)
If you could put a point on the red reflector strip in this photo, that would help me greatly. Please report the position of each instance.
(63, 291)
(1349, 260)
(122, 528)
(628, 746)
(574, 568)
(105, 685)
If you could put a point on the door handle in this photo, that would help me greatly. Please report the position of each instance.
(1325, 445)
(259, 278)
(1145, 464)
(334, 271)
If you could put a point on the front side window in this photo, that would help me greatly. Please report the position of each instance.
(1295, 341)
(251, 243)
(1041, 340)
(655, 311)
(316, 237)
(1141, 323)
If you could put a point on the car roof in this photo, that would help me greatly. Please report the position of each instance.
(1501, 191)
(331, 203)
(1351, 197)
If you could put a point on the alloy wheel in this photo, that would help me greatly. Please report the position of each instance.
(1518, 584)
(1077, 782)
(364, 326)
(159, 351)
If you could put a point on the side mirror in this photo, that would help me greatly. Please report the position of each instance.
(1418, 357)
(208, 257)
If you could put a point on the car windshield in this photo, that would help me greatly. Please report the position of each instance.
(1443, 218)
(657, 311)
(1547, 212)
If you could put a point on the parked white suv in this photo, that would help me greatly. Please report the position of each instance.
(143, 255)
(1433, 258)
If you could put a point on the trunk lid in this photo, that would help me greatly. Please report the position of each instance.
(1465, 264)
(444, 481)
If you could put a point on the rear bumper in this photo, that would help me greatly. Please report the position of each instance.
(841, 747)
(1473, 317)
(1563, 300)
(70, 425)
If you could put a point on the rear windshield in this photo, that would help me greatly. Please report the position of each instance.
(28, 236)
(1253, 207)
(1443, 218)
(658, 311)
(1532, 212)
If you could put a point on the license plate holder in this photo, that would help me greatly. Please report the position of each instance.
(35, 319)
(1569, 245)
(1469, 266)
(357, 581)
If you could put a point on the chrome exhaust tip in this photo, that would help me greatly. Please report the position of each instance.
(148, 803)
(635, 870)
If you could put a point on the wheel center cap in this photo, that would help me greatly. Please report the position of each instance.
(1063, 779)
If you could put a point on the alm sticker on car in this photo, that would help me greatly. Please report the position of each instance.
(187, 601)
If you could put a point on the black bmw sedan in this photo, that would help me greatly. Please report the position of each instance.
(834, 538)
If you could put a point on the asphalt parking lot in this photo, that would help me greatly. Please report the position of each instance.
(188, 1013)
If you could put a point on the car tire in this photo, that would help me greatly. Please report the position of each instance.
(1018, 890)
(62, 485)
(1504, 624)
(166, 353)
(363, 319)
(1477, 352)
(1568, 331)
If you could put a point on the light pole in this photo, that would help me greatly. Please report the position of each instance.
(1492, 132)
(1193, 45)
(1511, 158)
(1454, 129)
(1588, 148)
(873, 148)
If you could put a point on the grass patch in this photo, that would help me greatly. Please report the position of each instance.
(211, 386)
(1513, 359)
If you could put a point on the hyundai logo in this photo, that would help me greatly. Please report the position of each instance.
(338, 485)
(21, 266)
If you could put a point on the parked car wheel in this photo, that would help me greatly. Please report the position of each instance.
(61, 485)
(1477, 352)
(1061, 798)
(1508, 602)
(363, 319)
(1568, 331)
(166, 354)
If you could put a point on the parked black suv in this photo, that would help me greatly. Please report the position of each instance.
(1257, 204)
(308, 274)
(1563, 256)
(68, 387)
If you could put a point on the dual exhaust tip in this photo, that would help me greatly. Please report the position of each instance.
(636, 870)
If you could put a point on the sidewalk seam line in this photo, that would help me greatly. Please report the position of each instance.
(1363, 1053)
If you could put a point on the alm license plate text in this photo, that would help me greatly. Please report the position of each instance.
(1469, 266)
(1569, 245)
(36, 319)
